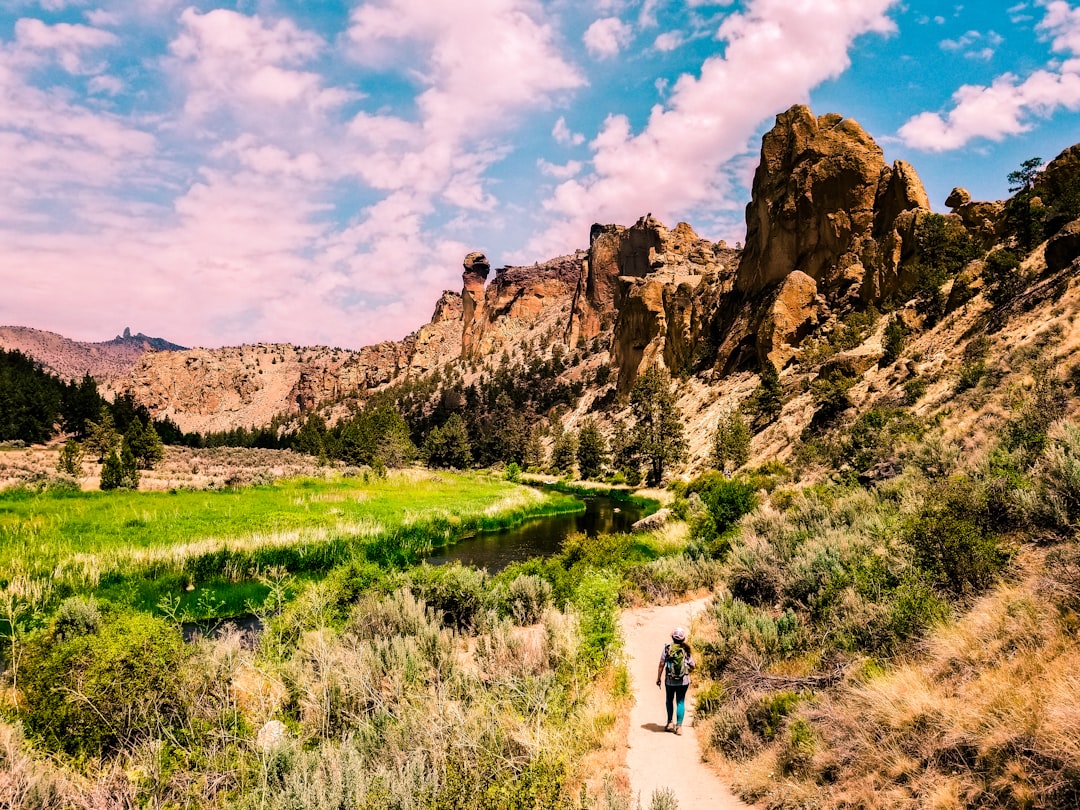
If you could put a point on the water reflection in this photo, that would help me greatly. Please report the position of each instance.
(541, 536)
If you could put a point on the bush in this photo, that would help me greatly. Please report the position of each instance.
(596, 599)
(94, 693)
(741, 630)
(725, 500)
(893, 340)
(77, 616)
(455, 592)
(526, 598)
(952, 540)
(765, 716)
(1054, 501)
(1002, 275)
(914, 390)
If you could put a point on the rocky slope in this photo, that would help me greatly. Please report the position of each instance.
(71, 359)
(833, 233)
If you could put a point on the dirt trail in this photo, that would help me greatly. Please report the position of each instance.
(654, 757)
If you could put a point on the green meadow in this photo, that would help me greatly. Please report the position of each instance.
(211, 548)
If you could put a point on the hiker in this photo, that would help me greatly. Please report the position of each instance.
(675, 666)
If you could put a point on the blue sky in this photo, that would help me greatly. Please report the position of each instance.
(314, 172)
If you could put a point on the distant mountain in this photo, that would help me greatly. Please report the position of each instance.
(71, 359)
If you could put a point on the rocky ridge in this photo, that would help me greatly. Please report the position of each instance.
(832, 230)
(71, 359)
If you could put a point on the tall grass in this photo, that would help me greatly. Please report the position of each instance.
(85, 540)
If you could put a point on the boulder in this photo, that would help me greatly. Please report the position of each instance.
(653, 521)
(959, 196)
(1064, 248)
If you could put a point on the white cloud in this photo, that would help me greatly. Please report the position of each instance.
(1007, 106)
(606, 37)
(68, 43)
(562, 134)
(232, 61)
(564, 172)
(974, 44)
(669, 41)
(776, 51)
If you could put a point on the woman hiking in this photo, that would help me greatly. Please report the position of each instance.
(676, 663)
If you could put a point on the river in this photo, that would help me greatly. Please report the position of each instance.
(541, 536)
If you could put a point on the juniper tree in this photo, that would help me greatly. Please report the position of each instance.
(731, 442)
(592, 453)
(658, 430)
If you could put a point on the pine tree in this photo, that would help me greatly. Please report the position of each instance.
(311, 438)
(624, 454)
(658, 431)
(449, 446)
(129, 469)
(153, 449)
(766, 403)
(102, 436)
(592, 452)
(70, 461)
(535, 458)
(112, 474)
(731, 442)
(563, 452)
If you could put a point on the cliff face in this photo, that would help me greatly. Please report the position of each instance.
(828, 227)
(831, 228)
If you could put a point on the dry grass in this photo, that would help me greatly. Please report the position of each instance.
(988, 715)
(182, 467)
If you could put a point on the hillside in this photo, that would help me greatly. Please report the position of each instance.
(71, 359)
(835, 238)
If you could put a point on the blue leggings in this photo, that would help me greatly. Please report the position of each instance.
(676, 693)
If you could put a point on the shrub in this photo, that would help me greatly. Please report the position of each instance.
(95, 693)
(725, 500)
(596, 599)
(526, 598)
(76, 616)
(797, 748)
(455, 592)
(951, 538)
(731, 735)
(893, 340)
(830, 392)
(1054, 501)
(1002, 275)
(914, 390)
(765, 716)
(71, 456)
(741, 629)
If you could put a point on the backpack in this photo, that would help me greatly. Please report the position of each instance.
(675, 660)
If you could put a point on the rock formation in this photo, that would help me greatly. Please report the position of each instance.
(472, 297)
(824, 205)
(71, 359)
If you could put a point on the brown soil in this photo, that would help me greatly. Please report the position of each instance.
(655, 758)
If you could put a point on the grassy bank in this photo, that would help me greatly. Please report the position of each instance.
(82, 541)
(371, 687)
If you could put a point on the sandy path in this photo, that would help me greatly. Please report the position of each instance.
(656, 758)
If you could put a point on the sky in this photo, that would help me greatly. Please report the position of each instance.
(314, 171)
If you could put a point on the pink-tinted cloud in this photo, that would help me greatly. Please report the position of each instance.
(233, 61)
(1009, 104)
(776, 52)
(607, 36)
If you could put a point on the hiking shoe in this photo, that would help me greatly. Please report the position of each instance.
(669, 727)
(678, 729)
